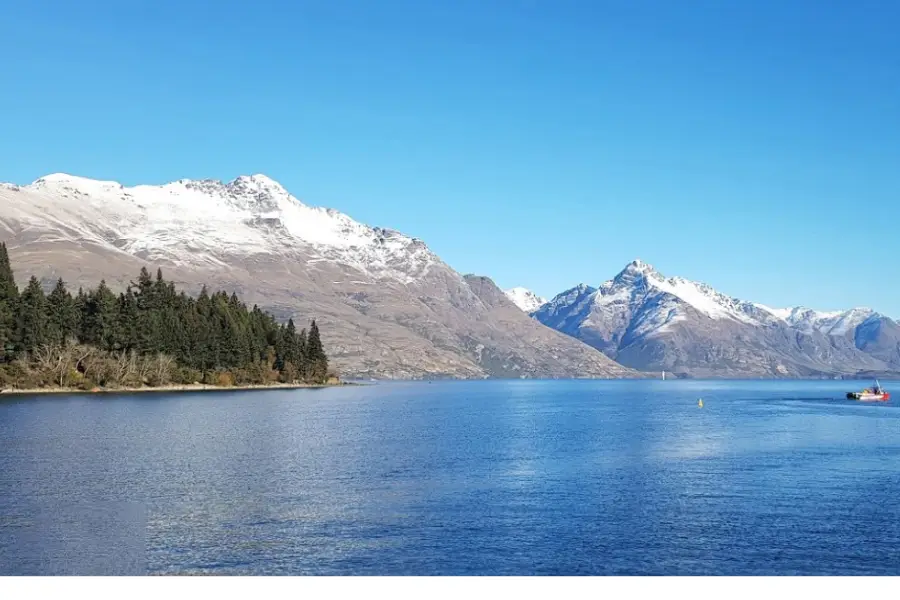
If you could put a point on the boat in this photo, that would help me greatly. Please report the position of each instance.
(872, 394)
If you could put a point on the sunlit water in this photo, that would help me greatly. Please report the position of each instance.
(556, 478)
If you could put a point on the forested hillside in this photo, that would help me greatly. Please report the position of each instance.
(149, 335)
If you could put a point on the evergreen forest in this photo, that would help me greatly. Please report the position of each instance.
(148, 335)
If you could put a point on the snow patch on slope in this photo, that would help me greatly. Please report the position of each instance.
(700, 297)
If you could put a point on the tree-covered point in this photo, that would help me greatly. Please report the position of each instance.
(148, 335)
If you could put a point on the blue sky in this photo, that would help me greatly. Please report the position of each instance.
(751, 145)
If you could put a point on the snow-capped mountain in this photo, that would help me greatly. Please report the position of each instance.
(525, 299)
(646, 320)
(201, 223)
(387, 305)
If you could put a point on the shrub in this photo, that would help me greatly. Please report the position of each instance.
(224, 379)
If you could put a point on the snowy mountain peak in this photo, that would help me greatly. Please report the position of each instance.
(63, 178)
(639, 282)
(635, 273)
(581, 288)
(244, 185)
(259, 184)
(639, 266)
(55, 181)
(206, 221)
(258, 179)
(525, 299)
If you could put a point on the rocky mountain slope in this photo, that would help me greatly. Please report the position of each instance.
(648, 321)
(388, 307)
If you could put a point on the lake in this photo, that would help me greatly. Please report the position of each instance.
(455, 478)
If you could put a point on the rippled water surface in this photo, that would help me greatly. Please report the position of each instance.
(561, 478)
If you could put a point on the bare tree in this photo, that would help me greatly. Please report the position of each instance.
(162, 369)
(46, 356)
(62, 367)
(98, 368)
(54, 360)
(143, 368)
(82, 353)
(122, 368)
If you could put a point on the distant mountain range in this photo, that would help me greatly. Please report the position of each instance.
(647, 321)
(388, 306)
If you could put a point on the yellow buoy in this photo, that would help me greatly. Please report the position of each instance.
(700, 402)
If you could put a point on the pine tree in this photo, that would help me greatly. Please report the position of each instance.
(7, 339)
(289, 344)
(147, 326)
(127, 320)
(78, 307)
(101, 319)
(9, 295)
(32, 315)
(302, 358)
(318, 362)
(160, 288)
(61, 319)
(8, 289)
(203, 335)
(144, 287)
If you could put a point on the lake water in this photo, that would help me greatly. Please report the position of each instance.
(456, 478)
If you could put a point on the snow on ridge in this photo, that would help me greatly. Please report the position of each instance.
(570, 295)
(837, 322)
(525, 299)
(199, 218)
(779, 313)
(571, 299)
(699, 297)
(717, 305)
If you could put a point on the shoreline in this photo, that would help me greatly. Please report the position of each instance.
(47, 391)
(196, 388)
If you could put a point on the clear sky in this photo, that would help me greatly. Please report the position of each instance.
(753, 145)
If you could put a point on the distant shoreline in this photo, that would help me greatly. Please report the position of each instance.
(47, 391)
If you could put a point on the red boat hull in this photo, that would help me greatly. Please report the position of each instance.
(870, 397)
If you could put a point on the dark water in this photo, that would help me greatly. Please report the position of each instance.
(554, 478)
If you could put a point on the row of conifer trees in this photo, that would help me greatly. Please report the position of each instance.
(149, 334)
